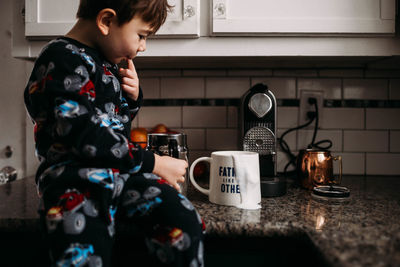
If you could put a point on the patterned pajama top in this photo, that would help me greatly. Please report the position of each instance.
(82, 118)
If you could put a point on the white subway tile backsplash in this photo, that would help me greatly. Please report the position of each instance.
(196, 138)
(353, 163)
(280, 87)
(355, 73)
(394, 141)
(343, 118)
(150, 87)
(135, 122)
(282, 161)
(289, 138)
(295, 73)
(194, 116)
(384, 73)
(149, 117)
(159, 73)
(182, 88)
(226, 87)
(250, 72)
(332, 88)
(394, 89)
(383, 118)
(366, 141)
(287, 117)
(204, 72)
(233, 116)
(305, 138)
(195, 154)
(383, 164)
(222, 139)
(365, 89)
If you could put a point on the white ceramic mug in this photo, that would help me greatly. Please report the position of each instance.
(234, 179)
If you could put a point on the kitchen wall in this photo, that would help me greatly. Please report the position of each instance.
(12, 83)
(367, 136)
(361, 116)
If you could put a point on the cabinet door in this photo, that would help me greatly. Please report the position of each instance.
(45, 18)
(304, 17)
(184, 20)
(49, 17)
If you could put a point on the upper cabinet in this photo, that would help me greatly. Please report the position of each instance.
(50, 18)
(236, 28)
(184, 20)
(305, 17)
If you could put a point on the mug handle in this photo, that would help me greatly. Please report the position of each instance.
(339, 158)
(198, 187)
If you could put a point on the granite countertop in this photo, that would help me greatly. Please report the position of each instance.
(365, 231)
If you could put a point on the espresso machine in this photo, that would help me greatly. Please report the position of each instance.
(258, 120)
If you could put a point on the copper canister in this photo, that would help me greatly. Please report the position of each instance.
(315, 167)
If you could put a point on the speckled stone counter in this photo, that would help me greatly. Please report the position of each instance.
(365, 231)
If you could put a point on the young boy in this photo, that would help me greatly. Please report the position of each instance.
(91, 175)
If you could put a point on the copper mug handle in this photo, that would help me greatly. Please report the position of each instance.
(339, 158)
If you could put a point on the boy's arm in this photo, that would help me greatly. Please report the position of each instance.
(62, 102)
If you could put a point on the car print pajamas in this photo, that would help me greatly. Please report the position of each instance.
(91, 176)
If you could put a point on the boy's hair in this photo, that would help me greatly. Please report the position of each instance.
(153, 12)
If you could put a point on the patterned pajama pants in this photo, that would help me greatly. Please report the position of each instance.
(79, 219)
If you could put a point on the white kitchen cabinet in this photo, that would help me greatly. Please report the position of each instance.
(184, 20)
(47, 18)
(242, 40)
(304, 17)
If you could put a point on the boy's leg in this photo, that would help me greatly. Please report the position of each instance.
(76, 232)
(173, 228)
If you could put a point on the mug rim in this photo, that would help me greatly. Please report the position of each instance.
(314, 151)
(232, 152)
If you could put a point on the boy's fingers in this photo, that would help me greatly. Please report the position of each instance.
(131, 66)
(129, 81)
(177, 187)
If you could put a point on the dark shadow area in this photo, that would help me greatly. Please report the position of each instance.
(294, 250)
(22, 249)
(27, 249)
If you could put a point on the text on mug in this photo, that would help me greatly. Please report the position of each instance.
(229, 184)
(227, 171)
(230, 188)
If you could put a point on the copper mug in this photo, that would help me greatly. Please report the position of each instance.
(315, 167)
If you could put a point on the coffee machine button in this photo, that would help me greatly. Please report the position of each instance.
(260, 104)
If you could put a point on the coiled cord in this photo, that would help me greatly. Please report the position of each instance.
(318, 145)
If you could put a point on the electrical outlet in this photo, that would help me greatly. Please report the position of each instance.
(305, 106)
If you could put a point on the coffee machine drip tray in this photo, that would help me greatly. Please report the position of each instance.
(259, 139)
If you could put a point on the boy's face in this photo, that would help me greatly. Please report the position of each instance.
(125, 41)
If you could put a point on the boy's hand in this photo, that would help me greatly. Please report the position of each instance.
(130, 80)
(171, 169)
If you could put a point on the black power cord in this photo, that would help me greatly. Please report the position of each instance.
(318, 145)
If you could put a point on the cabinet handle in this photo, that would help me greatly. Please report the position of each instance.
(9, 151)
(219, 10)
(189, 11)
